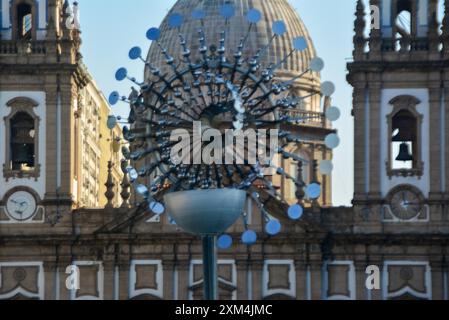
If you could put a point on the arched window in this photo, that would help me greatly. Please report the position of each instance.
(22, 142)
(405, 138)
(24, 21)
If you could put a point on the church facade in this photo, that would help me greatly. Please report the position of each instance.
(53, 216)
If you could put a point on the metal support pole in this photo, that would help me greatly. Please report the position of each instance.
(210, 268)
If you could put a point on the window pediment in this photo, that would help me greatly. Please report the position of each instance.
(22, 102)
(405, 101)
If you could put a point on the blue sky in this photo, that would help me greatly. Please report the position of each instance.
(111, 28)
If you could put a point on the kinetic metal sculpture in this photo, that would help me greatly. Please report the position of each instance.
(222, 91)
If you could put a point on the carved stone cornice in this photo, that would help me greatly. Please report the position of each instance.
(37, 68)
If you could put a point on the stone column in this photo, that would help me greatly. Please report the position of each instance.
(446, 133)
(242, 279)
(183, 279)
(257, 270)
(435, 140)
(437, 277)
(124, 285)
(359, 139)
(108, 283)
(69, 94)
(168, 267)
(301, 272)
(360, 280)
(377, 165)
(49, 270)
(445, 278)
(316, 271)
(50, 139)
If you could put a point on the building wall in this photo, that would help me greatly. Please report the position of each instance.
(48, 70)
(96, 149)
(282, 268)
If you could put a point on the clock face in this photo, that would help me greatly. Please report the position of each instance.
(406, 203)
(21, 206)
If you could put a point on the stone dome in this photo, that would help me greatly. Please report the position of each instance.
(260, 35)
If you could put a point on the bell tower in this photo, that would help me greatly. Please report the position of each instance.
(40, 76)
(400, 78)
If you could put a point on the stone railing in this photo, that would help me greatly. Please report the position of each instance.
(8, 47)
(405, 44)
(311, 118)
(38, 47)
(12, 47)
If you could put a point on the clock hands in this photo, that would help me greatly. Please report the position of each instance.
(21, 206)
(405, 203)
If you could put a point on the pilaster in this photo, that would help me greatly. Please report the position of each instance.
(242, 279)
(362, 120)
(435, 138)
(183, 279)
(257, 270)
(168, 267)
(316, 271)
(375, 165)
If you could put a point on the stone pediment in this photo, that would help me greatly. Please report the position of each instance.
(22, 102)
